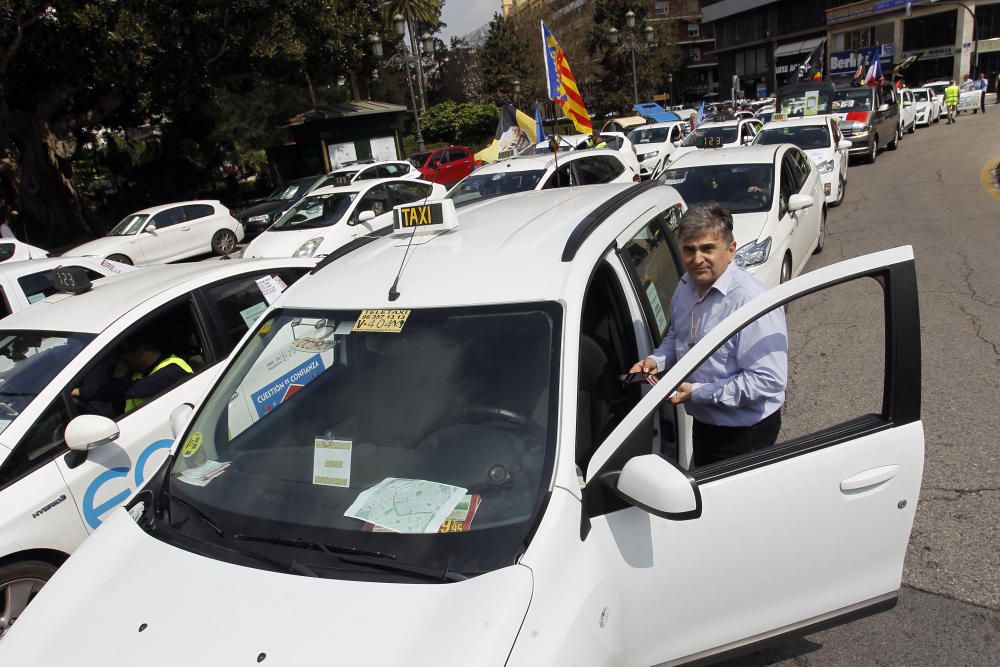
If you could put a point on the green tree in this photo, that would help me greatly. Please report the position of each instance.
(504, 58)
(419, 15)
(466, 124)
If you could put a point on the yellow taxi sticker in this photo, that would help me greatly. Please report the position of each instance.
(420, 216)
(192, 445)
(381, 320)
(265, 329)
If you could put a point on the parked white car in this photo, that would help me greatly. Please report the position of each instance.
(167, 233)
(362, 171)
(968, 97)
(329, 218)
(819, 136)
(775, 195)
(459, 477)
(717, 134)
(927, 110)
(907, 111)
(12, 250)
(58, 362)
(24, 283)
(655, 142)
(520, 174)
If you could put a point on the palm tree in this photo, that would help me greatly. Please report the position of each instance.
(415, 12)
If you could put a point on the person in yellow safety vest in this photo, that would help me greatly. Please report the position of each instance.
(951, 93)
(595, 141)
(152, 373)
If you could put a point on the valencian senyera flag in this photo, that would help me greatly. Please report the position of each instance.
(562, 86)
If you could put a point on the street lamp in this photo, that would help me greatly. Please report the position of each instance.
(400, 58)
(517, 91)
(631, 46)
(670, 82)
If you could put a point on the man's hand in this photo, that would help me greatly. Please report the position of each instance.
(682, 395)
(755, 189)
(647, 366)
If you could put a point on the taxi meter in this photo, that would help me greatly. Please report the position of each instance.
(424, 217)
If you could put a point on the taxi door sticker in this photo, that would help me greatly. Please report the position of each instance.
(381, 320)
(277, 392)
(332, 462)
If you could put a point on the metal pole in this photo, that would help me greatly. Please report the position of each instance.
(413, 98)
(420, 69)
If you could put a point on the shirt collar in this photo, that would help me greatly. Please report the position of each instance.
(723, 284)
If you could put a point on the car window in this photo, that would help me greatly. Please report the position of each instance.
(597, 169)
(788, 184)
(742, 188)
(653, 267)
(649, 135)
(5, 308)
(478, 185)
(418, 159)
(316, 211)
(804, 164)
(561, 177)
(807, 137)
(43, 442)
(6, 251)
(240, 301)
(197, 211)
(456, 154)
(168, 218)
(37, 286)
(404, 193)
(370, 172)
(375, 200)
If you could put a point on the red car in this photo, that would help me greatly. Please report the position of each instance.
(446, 166)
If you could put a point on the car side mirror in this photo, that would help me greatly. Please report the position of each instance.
(652, 484)
(799, 202)
(85, 432)
(179, 418)
(747, 140)
(883, 108)
(150, 229)
(365, 216)
(844, 144)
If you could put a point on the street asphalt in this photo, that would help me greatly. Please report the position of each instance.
(936, 192)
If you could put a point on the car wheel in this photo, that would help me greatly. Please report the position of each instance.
(840, 193)
(223, 242)
(786, 269)
(913, 128)
(19, 584)
(820, 242)
(874, 151)
(894, 144)
(121, 259)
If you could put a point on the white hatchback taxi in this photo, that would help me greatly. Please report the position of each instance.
(60, 361)
(424, 456)
(655, 142)
(717, 134)
(332, 216)
(167, 233)
(819, 136)
(775, 195)
(24, 283)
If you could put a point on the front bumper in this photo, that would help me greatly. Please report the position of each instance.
(860, 144)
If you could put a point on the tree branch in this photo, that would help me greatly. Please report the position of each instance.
(225, 39)
(18, 38)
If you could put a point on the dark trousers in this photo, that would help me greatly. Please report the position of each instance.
(982, 102)
(718, 443)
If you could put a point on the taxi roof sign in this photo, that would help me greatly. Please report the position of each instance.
(71, 279)
(424, 217)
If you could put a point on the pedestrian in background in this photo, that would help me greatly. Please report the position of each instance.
(951, 101)
(982, 84)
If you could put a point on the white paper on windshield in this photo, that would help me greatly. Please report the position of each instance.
(654, 300)
(271, 287)
(332, 462)
(203, 474)
(251, 314)
(406, 505)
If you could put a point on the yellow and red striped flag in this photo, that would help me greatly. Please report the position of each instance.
(562, 86)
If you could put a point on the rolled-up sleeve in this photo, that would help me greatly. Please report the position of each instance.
(665, 355)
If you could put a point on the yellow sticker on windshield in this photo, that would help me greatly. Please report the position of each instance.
(192, 445)
(381, 320)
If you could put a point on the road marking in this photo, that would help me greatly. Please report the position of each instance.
(986, 178)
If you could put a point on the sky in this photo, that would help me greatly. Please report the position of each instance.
(464, 16)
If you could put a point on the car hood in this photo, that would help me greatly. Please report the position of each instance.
(265, 207)
(152, 604)
(748, 227)
(284, 243)
(648, 148)
(818, 155)
(101, 247)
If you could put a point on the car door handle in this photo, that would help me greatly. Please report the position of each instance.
(869, 478)
(185, 229)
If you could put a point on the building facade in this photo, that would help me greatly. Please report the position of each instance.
(681, 20)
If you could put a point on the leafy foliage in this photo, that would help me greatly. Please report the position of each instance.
(467, 124)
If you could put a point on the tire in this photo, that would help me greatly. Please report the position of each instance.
(19, 584)
(870, 158)
(913, 128)
(786, 269)
(821, 241)
(840, 193)
(121, 259)
(894, 144)
(223, 242)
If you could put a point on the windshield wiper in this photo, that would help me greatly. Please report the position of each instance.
(348, 554)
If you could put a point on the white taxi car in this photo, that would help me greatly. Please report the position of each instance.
(655, 142)
(167, 233)
(424, 456)
(927, 110)
(57, 359)
(538, 172)
(332, 216)
(819, 136)
(12, 250)
(775, 195)
(717, 134)
(24, 283)
(364, 171)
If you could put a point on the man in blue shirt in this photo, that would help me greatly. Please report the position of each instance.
(735, 396)
(982, 84)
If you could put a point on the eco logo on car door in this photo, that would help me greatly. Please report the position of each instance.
(91, 513)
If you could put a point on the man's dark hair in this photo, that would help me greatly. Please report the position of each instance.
(707, 219)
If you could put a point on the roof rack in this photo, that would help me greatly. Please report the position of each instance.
(600, 214)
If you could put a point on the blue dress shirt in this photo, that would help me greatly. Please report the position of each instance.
(744, 380)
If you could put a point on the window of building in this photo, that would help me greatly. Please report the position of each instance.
(695, 54)
(751, 61)
(661, 10)
(864, 37)
(926, 32)
(694, 30)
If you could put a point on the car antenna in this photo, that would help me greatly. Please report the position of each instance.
(393, 292)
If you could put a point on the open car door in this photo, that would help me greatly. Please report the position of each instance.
(808, 532)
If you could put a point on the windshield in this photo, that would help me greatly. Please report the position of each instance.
(920, 96)
(742, 188)
(852, 100)
(937, 90)
(315, 211)
(805, 137)
(292, 190)
(28, 362)
(426, 434)
(481, 186)
(710, 136)
(130, 225)
(649, 135)
(418, 159)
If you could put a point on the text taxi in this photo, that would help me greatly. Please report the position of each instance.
(462, 479)
(64, 368)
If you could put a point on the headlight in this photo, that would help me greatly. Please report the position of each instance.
(825, 167)
(308, 249)
(753, 253)
(257, 219)
(646, 156)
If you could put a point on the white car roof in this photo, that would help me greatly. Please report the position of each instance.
(363, 185)
(818, 120)
(722, 123)
(156, 209)
(506, 250)
(365, 165)
(736, 155)
(16, 270)
(665, 123)
(113, 297)
(538, 161)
